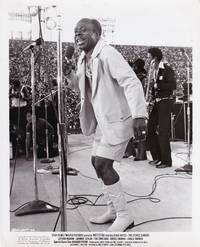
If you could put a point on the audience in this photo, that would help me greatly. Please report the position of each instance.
(46, 72)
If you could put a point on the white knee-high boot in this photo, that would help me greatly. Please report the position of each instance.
(124, 219)
(110, 213)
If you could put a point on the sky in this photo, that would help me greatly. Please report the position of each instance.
(137, 22)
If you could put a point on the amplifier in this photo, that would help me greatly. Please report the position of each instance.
(179, 121)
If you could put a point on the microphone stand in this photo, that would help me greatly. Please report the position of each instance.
(61, 132)
(36, 206)
(47, 96)
(188, 166)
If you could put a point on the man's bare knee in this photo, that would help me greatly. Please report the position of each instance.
(102, 165)
(93, 160)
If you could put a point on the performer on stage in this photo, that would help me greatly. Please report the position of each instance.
(160, 116)
(20, 95)
(41, 125)
(113, 107)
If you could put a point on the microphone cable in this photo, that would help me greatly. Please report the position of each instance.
(162, 219)
(80, 199)
(17, 145)
(75, 198)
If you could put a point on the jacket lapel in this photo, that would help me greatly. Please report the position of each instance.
(160, 75)
(160, 71)
(95, 64)
(94, 76)
(81, 75)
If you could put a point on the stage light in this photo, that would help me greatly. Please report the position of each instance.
(33, 10)
(50, 23)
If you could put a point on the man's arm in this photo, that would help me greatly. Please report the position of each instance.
(50, 128)
(71, 78)
(126, 78)
(47, 127)
(28, 141)
(26, 94)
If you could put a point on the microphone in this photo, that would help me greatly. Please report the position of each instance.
(186, 55)
(33, 44)
(68, 66)
(69, 53)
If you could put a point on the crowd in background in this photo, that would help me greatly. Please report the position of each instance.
(46, 70)
(173, 55)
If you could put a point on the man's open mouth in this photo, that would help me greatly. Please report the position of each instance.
(80, 42)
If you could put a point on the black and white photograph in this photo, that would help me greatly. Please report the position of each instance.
(100, 123)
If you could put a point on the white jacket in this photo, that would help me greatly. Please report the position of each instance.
(117, 95)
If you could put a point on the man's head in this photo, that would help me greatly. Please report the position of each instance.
(155, 54)
(87, 34)
(16, 84)
(138, 65)
(29, 115)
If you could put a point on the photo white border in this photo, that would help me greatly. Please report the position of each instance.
(185, 22)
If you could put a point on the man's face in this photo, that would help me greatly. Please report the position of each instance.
(150, 60)
(135, 67)
(16, 85)
(85, 37)
(149, 57)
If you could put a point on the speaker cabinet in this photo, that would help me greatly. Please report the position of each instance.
(179, 121)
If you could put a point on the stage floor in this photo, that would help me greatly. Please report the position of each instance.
(172, 196)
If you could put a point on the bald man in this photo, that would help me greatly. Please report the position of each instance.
(113, 109)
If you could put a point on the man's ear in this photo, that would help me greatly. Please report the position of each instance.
(98, 34)
(153, 60)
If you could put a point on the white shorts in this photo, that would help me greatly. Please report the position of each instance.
(103, 149)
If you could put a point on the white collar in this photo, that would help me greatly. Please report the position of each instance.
(161, 65)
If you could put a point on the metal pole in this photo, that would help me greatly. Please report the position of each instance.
(172, 126)
(47, 143)
(188, 113)
(188, 166)
(62, 168)
(185, 122)
(34, 126)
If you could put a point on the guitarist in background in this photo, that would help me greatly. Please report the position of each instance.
(158, 133)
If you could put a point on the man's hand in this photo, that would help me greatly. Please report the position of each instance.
(139, 127)
(67, 67)
(78, 106)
